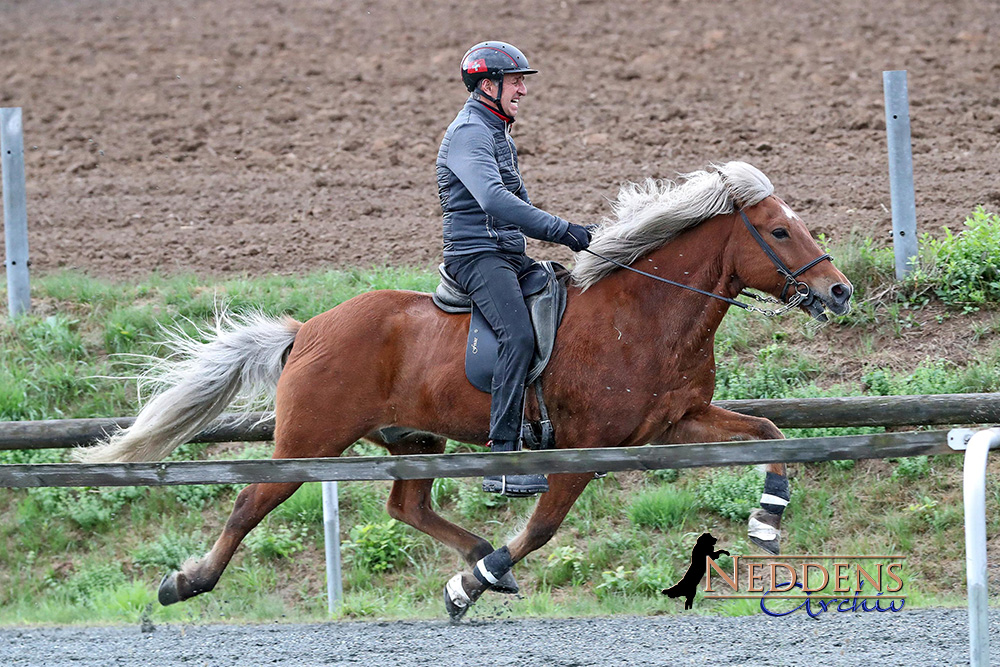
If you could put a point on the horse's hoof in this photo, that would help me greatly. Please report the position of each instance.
(455, 613)
(168, 593)
(762, 529)
(456, 600)
(772, 547)
(506, 584)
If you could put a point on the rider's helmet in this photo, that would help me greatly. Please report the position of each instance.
(491, 60)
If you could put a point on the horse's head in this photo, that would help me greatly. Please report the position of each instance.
(777, 255)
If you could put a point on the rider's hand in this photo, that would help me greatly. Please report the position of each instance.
(576, 237)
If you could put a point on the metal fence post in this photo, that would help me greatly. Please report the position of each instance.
(904, 211)
(15, 215)
(974, 492)
(331, 534)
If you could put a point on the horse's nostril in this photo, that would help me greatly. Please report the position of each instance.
(841, 292)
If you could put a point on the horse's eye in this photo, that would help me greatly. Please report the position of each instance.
(780, 233)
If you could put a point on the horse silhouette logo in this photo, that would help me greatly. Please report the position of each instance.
(687, 587)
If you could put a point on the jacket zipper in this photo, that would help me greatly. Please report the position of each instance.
(506, 134)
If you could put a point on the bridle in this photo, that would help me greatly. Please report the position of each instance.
(791, 277)
(802, 293)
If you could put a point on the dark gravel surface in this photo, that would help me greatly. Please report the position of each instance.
(923, 637)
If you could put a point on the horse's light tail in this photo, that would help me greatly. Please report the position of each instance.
(241, 360)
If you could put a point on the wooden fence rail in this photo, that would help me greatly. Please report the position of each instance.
(890, 411)
(881, 445)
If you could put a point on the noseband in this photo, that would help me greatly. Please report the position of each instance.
(791, 277)
(803, 293)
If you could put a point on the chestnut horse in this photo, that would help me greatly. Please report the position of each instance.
(633, 364)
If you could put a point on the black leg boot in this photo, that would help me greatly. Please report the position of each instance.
(513, 486)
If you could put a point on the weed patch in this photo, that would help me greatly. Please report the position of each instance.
(961, 269)
(378, 547)
(665, 508)
(168, 551)
(730, 494)
(269, 541)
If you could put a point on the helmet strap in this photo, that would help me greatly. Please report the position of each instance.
(480, 95)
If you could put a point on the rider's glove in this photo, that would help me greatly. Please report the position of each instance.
(576, 237)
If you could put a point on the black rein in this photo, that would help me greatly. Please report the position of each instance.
(791, 277)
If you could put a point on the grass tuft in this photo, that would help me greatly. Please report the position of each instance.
(665, 508)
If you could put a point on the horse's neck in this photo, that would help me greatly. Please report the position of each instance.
(697, 258)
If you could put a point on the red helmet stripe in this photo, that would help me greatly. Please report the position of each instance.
(493, 48)
(475, 66)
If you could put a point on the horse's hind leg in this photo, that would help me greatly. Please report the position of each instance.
(200, 576)
(252, 505)
(410, 502)
(465, 588)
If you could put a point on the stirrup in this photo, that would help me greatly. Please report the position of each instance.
(515, 486)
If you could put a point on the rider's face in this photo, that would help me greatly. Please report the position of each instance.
(514, 89)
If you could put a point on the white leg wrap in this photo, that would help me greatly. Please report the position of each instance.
(457, 592)
(762, 531)
(486, 574)
(768, 499)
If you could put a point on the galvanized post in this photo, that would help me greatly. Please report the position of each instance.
(974, 489)
(331, 530)
(15, 215)
(904, 210)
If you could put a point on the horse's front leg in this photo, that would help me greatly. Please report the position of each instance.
(465, 588)
(718, 425)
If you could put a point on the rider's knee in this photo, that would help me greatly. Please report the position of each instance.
(521, 342)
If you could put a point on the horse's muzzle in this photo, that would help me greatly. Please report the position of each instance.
(837, 299)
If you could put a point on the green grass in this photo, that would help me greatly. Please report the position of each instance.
(732, 495)
(96, 555)
(666, 508)
(961, 269)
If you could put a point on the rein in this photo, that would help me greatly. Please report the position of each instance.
(801, 294)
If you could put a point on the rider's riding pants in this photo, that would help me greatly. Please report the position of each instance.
(491, 279)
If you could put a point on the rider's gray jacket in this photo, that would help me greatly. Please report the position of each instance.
(485, 204)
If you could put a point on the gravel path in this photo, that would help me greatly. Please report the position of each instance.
(923, 637)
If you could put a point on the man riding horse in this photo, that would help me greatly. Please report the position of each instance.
(383, 365)
(487, 214)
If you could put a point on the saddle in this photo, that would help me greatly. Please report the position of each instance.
(544, 290)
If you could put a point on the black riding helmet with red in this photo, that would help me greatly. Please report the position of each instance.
(491, 60)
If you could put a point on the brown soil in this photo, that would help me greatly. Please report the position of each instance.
(292, 135)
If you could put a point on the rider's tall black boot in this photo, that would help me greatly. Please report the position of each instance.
(513, 486)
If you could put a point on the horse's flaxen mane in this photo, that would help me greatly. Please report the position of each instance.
(647, 215)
